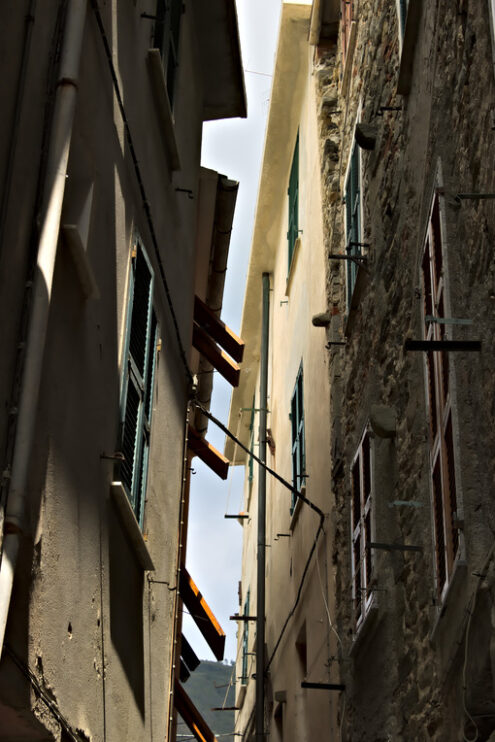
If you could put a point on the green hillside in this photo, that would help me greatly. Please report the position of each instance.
(202, 688)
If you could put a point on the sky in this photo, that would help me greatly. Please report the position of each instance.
(233, 148)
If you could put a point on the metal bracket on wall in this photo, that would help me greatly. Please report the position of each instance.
(447, 345)
(323, 686)
(473, 196)
(237, 617)
(385, 109)
(447, 320)
(335, 342)
(394, 547)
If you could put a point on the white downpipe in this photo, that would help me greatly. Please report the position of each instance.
(58, 155)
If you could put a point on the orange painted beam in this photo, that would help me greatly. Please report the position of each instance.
(202, 614)
(218, 359)
(208, 453)
(191, 715)
(218, 330)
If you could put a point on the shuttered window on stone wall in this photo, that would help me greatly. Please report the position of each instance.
(293, 208)
(361, 528)
(403, 4)
(138, 381)
(166, 39)
(347, 16)
(245, 643)
(298, 444)
(442, 455)
(353, 219)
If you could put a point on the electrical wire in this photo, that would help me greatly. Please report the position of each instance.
(298, 494)
(330, 623)
(41, 693)
(145, 202)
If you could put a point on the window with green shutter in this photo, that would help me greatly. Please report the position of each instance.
(167, 32)
(298, 445)
(138, 381)
(353, 219)
(245, 643)
(293, 193)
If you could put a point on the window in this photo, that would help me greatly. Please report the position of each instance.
(402, 6)
(138, 381)
(442, 471)
(361, 513)
(293, 192)
(347, 16)
(167, 29)
(353, 219)
(298, 447)
(245, 643)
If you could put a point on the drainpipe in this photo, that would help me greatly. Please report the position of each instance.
(21, 82)
(58, 155)
(260, 600)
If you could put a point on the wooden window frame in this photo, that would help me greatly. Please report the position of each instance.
(347, 17)
(293, 203)
(353, 219)
(298, 438)
(442, 456)
(362, 527)
(138, 381)
(166, 40)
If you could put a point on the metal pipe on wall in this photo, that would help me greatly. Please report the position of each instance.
(260, 586)
(58, 155)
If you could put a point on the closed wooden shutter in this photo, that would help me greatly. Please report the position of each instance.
(293, 193)
(138, 381)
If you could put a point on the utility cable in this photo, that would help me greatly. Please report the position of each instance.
(296, 492)
(42, 694)
(145, 202)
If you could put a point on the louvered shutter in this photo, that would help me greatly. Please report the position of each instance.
(293, 193)
(137, 388)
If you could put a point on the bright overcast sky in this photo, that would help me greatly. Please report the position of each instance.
(233, 148)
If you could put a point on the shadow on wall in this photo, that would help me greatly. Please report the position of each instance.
(126, 607)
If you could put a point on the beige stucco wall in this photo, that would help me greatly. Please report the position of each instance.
(294, 299)
(95, 629)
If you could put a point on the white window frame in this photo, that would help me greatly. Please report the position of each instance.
(362, 530)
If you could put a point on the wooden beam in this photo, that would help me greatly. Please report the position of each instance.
(188, 654)
(218, 330)
(218, 359)
(191, 715)
(202, 614)
(208, 453)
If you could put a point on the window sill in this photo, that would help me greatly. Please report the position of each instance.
(348, 59)
(74, 242)
(409, 46)
(357, 295)
(239, 701)
(131, 526)
(446, 633)
(297, 509)
(163, 107)
(292, 269)
(365, 629)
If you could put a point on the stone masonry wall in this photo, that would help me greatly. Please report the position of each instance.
(404, 670)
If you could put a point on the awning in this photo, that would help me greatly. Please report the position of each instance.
(202, 614)
(191, 715)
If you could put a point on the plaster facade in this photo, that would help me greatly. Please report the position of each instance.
(297, 292)
(89, 642)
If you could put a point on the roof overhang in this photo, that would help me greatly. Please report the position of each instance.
(325, 20)
(291, 67)
(221, 62)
